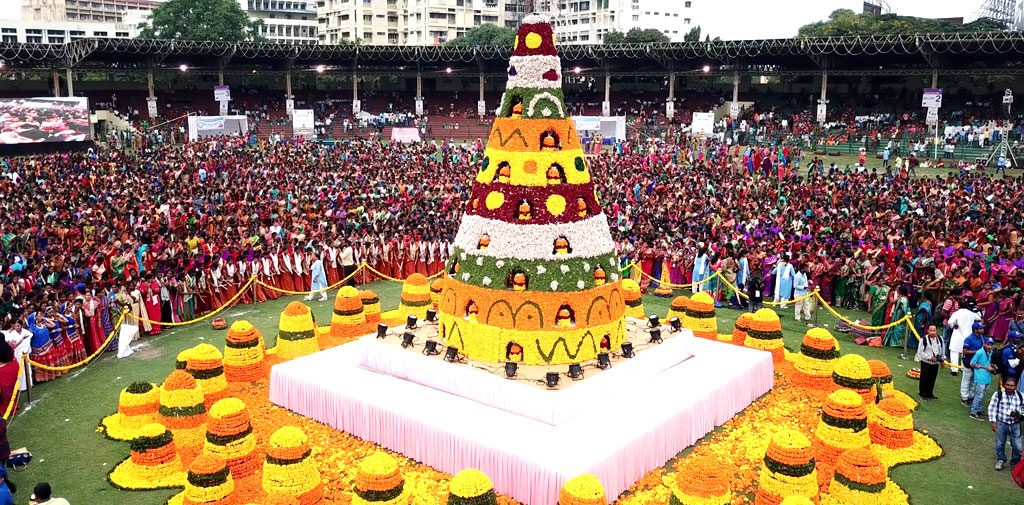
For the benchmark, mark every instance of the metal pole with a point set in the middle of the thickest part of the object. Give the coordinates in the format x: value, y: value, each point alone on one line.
x: 355, y: 85
x: 906, y: 338
x: 288, y: 84
x: 672, y: 86
x: 71, y: 82
x: 56, y: 84
x: 220, y: 76
x: 935, y: 141
x: 419, y: 84
x: 149, y: 83
x: 482, y: 84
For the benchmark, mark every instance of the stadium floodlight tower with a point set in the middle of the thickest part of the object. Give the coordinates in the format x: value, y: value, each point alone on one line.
x: 1003, y: 152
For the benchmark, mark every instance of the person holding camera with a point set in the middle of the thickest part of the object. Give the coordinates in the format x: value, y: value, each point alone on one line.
x: 1004, y: 414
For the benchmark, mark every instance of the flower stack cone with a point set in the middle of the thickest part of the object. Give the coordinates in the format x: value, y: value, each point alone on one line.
x: 415, y: 301
x: 739, y: 330
x: 634, y: 301
x: 137, y: 406
x: 861, y: 478
x: 244, y: 353
x: 154, y: 462
x: 584, y: 489
x: 229, y: 435
x: 181, y: 362
x: 379, y: 481
x: 789, y: 470
x: 883, y: 381
x: 854, y: 373
x: 843, y: 426
x: 818, y: 353
x: 296, y: 334
x: 471, y: 487
x: 209, y: 483
x: 183, y: 411
x: 664, y: 289
x: 699, y: 481
x: 348, y: 319
x: 700, y: 316
x: 680, y: 308
x: 206, y: 365
x: 436, y: 287
x: 371, y: 308
x: 893, y: 437
x: 289, y: 469
x: 765, y: 333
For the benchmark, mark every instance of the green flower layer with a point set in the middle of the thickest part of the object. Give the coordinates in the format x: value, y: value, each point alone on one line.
x: 540, y: 273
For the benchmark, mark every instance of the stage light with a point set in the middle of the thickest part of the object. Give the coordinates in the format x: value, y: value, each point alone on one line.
x: 653, y: 321
x: 627, y: 350
x: 510, y: 369
x: 676, y: 325
x: 576, y: 70
x: 410, y: 322
x: 320, y: 68
x: 254, y: 70
x: 183, y: 67
x: 431, y: 315
x: 604, y: 361
x: 575, y: 371
x: 430, y: 348
x: 551, y: 379
x: 656, y: 336
x: 407, y: 339
x: 382, y: 330
x: 706, y: 68
x: 448, y: 70
x: 451, y: 355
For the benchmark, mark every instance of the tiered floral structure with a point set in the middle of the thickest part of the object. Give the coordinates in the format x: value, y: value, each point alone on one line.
x: 789, y: 470
x: 181, y: 362
x: 843, y: 426
x: 883, y: 381
x: 765, y: 333
x: 379, y: 481
x: 852, y: 372
x: 739, y: 330
x: 137, y: 406
x: 229, y: 435
x: 296, y: 334
x: 348, y: 319
x: 633, y: 299
x: 861, y: 478
x: 584, y: 489
x: 533, y: 258
x: 153, y: 463
x: 436, y: 287
x: 209, y: 483
x: 244, y: 353
x: 818, y: 354
x: 289, y: 469
x: 471, y: 487
x: 680, y: 308
x: 206, y: 365
x: 700, y: 316
x: 699, y: 481
x: 371, y: 308
x: 893, y: 438
x: 415, y: 301
x: 183, y: 411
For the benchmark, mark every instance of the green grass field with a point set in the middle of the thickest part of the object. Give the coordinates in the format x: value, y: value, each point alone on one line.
x: 58, y: 424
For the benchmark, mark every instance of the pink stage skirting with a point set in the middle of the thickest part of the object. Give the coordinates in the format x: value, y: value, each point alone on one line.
x: 637, y: 426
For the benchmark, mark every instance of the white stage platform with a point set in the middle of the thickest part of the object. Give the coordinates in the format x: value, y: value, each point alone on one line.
x: 619, y: 424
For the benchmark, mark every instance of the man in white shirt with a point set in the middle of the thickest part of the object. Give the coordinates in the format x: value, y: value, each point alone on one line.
x: 961, y: 322
x: 347, y: 258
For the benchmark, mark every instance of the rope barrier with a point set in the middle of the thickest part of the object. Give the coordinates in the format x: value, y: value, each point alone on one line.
x: 9, y: 411
x: 99, y: 350
x: 216, y: 311
x: 381, y: 274
x: 328, y: 288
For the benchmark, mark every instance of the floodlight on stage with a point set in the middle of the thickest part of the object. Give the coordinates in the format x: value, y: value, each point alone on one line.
x: 627, y: 350
x: 430, y: 348
x: 676, y: 324
x: 431, y: 315
x: 451, y: 355
x: 183, y: 67
x: 653, y: 321
x: 448, y: 70
x: 410, y: 322
x: 575, y: 371
x: 656, y: 336
x: 510, y: 369
x: 706, y: 68
x: 551, y: 379
x: 382, y: 330
x: 320, y: 68
x: 407, y: 339
x: 604, y: 361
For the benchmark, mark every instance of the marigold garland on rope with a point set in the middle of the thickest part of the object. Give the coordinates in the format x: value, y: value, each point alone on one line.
x: 244, y: 353
x: 206, y: 364
x: 789, y: 469
x: 137, y: 406
x: 583, y: 489
x: 843, y: 426
x: 153, y: 463
x: 296, y: 335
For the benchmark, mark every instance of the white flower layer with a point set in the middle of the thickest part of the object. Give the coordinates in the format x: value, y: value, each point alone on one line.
x: 588, y: 238
x: 535, y: 18
x: 530, y: 72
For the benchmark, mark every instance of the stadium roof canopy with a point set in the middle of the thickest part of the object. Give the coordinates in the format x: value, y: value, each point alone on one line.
x: 953, y: 53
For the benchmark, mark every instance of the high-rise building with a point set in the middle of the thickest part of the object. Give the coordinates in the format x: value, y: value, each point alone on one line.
x: 284, y: 21
x: 410, y: 22
x: 588, y: 21
x: 104, y: 11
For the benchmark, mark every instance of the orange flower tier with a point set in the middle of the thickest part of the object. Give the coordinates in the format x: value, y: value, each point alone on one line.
x: 765, y: 333
x: 700, y: 316
x: 289, y: 469
x: 739, y: 330
x: 183, y: 411
x: 209, y: 483
x: 860, y: 478
x: 634, y: 301
x: 584, y: 489
x: 296, y: 335
x: 679, y: 308
x: 244, y: 353
x: 415, y: 301
x: 379, y: 481
x: 699, y: 480
x: 788, y: 469
x: 883, y: 381
x: 853, y: 372
x: 371, y: 308
x: 229, y: 435
x: 843, y: 426
x: 348, y: 319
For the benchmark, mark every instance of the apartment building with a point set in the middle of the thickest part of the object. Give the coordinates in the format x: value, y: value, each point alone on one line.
x: 101, y: 11
x: 587, y: 21
x: 285, y: 21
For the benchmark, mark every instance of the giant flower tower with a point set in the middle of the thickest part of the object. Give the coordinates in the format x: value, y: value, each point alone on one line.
x: 533, y: 278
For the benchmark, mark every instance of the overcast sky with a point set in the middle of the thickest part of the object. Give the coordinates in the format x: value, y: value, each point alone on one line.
x: 755, y: 19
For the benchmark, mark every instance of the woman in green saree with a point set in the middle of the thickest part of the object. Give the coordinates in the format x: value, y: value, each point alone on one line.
x: 894, y: 336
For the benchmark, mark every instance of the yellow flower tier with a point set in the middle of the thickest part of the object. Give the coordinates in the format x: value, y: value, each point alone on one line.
x: 765, y: 333
x: 415, y: 301
x: 296, y: 335
x: 853, y: 372
x: 893, y: 438
x: 244, y: 353
x: 137, y: 406
x: 154, y: 462
x: 699, y: 481
x: 789, y: 470
x: 371, y: 308
x: 634, y: 301
x: 348, y: 318
x: 814, y: 363
x: 843, y: 426
x: 289, y: 469
x: 883, y: 381
x: 471, y: 487
x: 209, y: 483
x: 206, y: 365
x: 679, y: 308
x: 379, y: 481
x: 584, y: 489
x: 229, y: 435
x: 700, y: 316
x: 183, y: 411
x: 862, y: 478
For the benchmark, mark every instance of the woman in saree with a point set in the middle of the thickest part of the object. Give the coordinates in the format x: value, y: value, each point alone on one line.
x: 878, y: 303
x: 894, y: 336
